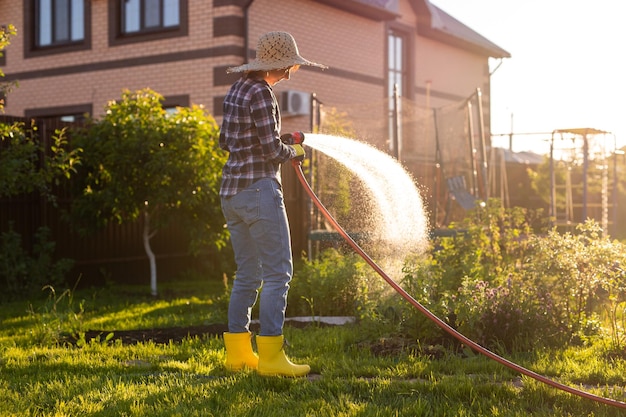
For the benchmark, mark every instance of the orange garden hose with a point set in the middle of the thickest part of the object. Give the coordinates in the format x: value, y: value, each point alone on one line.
x: 463, y: 339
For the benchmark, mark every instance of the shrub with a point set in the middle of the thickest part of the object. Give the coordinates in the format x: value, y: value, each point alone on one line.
x: 585, y: 274
x: 335, y: 284
x: 512, y: 315
x: 25, y: 275
x: 504, y: 285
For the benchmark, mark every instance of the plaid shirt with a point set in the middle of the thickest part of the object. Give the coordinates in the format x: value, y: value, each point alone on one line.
x: 251, y: 134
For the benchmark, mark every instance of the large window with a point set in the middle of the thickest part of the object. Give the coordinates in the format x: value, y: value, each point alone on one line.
x: 397, y: 68
x: 59, y: 22
x: 145, y: 20
x: 397, y: 72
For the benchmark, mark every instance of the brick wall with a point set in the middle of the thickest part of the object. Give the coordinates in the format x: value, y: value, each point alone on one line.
x: 353, y: 46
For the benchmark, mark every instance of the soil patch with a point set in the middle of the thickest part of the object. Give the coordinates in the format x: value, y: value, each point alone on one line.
x: 173, y: 334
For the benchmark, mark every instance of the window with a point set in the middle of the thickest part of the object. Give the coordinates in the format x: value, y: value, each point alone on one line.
x: 148, y: 15
x: 72, y: 114
x: 59, y: 22
x: 56, y: 26
x: 396, y: 62
x: 144, y: 20
x: 396, y: 76
x: 399, y: 75
x: 171, y: 103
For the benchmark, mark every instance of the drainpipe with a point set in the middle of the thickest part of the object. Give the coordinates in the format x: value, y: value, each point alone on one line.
x: 246, y: 31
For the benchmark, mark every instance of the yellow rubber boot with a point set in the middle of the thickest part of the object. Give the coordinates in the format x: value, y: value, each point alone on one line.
x: 239, y: 352
x: 272, y: 358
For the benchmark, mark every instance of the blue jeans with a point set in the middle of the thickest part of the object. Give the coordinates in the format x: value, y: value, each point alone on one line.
x: 259, y: 232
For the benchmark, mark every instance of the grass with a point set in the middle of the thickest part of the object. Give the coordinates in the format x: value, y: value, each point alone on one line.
x: 41, y: 375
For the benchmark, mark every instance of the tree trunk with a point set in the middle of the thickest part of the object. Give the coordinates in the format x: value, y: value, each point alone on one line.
x: 146, y: 245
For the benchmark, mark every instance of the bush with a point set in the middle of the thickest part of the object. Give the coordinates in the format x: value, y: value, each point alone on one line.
x: 332, y: 285
x: 512, y: 316
x: 25, y: 275
x: 510, y: 283
x: 586, y: 275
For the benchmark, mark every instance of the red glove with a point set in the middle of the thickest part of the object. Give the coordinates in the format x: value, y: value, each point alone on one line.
x: 295, y: 138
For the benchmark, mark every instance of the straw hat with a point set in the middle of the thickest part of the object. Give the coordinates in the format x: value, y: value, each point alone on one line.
x: 275, y: 50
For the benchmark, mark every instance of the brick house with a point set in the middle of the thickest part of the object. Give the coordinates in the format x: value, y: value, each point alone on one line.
x: 72, y: 56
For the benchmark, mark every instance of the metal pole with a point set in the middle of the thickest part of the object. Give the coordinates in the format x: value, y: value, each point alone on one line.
x: 511, y: 135
x: 605, y: 189
x: 585, y: 174
x: 396, y: 123
x: 616, y: 152
x: 483, y: 150
x: 474, y: 176
x: 312, y: 180
x: 438, y: 166
x: 552, y: 183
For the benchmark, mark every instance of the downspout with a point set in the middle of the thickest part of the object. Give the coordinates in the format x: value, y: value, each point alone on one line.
x: 246, y: 29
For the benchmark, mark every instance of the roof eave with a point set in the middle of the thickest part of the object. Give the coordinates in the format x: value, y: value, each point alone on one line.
x: 363, y: 9
x: 430, y: 24
x: 452, y: 40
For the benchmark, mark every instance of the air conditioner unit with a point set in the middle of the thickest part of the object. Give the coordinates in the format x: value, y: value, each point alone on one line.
x: 296, y: 103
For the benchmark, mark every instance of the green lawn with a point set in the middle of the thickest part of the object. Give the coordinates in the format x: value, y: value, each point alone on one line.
x: 43, y: 375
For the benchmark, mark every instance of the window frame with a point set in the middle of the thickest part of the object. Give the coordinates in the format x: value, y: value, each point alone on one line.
x: 118, y: 37
x: 407, y: 75
x: 407, y: 34
x: 171, y: 102
x: 32, y: 49
x: 57, y: 113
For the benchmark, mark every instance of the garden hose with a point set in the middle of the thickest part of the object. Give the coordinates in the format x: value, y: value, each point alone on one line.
x: 463, y: 339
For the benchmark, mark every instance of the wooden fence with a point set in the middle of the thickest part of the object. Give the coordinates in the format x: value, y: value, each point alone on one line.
x: 114, y: 253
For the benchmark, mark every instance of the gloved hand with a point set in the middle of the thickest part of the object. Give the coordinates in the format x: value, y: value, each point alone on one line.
x: 300, y: 154
x: 295, y: 138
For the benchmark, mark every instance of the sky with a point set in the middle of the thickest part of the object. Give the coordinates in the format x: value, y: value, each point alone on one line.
x: 567, y: 67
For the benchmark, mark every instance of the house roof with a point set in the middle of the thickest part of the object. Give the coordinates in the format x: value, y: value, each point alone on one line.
x: 432, y: 22
x: 436, y: 24
x: 524, y: 157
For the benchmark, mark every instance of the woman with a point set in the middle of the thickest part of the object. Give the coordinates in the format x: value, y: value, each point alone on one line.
x: 253, y: 205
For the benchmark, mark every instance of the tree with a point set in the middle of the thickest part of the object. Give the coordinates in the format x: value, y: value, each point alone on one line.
x: 26, y: 166
x: 142, y: 162
x: 5, y: 39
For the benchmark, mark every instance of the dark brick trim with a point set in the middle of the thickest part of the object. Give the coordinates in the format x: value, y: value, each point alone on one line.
x: 225, y: 50
x: 181, y: 100
x: 229, y: 25
x: 220, y: 77
x: 240, y: 3
x: 59, y: 110
x: 218, y: 109
x: 348, y: 75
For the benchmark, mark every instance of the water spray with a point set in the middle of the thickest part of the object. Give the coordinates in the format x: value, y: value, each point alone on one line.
x: 440, y: 323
